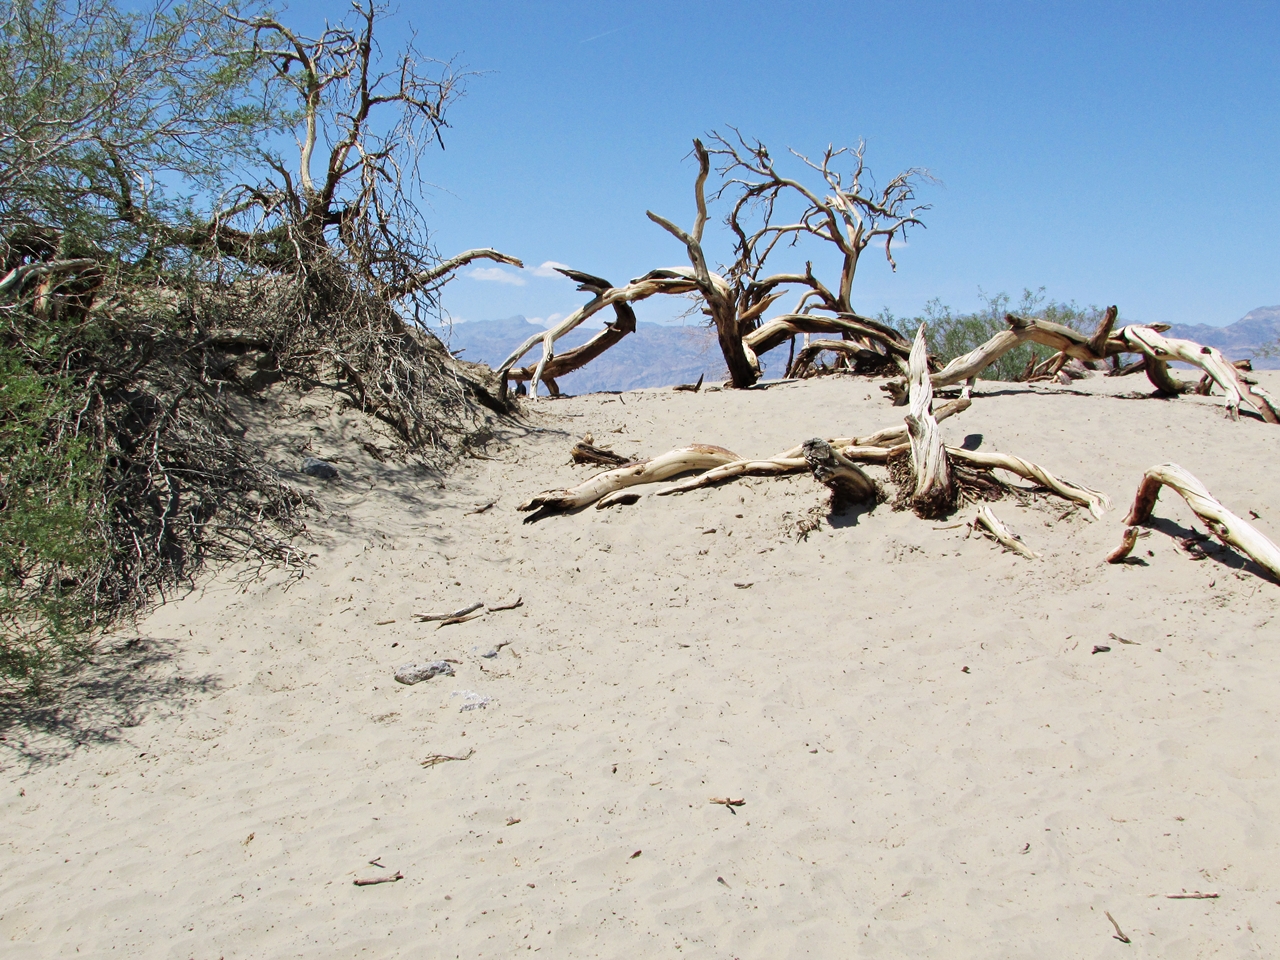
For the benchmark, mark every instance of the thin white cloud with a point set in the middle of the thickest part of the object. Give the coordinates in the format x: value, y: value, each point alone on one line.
x: 605, y: 34
x: 548, y: 269
x: 496, y: 275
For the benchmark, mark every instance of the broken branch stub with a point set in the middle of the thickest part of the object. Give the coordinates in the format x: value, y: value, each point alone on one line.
x: 843, y: 477
x: 1128, y: 540
x: 1222, y: 523
x: 992, y: 524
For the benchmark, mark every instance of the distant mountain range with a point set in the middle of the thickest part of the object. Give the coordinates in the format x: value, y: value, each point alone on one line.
x: 1238, y: 341
x: 658, y: 355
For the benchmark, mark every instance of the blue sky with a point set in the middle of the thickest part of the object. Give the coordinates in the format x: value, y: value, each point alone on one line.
x: 1113, y: 153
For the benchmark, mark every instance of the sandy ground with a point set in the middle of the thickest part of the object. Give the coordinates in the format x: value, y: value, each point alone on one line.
x: 213, y: 788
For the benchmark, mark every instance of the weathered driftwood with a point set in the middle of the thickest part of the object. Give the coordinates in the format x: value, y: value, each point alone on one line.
x: 385, y: 878
x: 992, y: 524
x: 738, y: 468
x: 1222, y: 523
x: 1060, y: 338
x: 430, y: 617
x: 841, y: 476
x: 585, y: 451
x: 934, y: 492
x: 696, y: 456
x: 1160, y: 350
x: 1097, y: 502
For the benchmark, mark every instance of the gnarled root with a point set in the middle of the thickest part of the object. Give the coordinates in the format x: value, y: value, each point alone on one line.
x: 1222, y: 523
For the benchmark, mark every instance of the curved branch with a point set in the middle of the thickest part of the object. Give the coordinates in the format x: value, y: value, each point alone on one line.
x: 430, y: 277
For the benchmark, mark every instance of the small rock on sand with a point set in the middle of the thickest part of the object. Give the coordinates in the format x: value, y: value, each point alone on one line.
x: 417, y: 672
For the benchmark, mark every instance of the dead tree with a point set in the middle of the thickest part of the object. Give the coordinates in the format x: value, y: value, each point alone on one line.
x: 843, y: 211
x: 716, y: 292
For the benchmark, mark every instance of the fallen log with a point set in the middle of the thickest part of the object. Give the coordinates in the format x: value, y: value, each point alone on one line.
x: 1222, y: 523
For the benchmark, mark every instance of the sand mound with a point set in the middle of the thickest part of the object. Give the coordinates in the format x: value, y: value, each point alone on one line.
x: 933, y: 760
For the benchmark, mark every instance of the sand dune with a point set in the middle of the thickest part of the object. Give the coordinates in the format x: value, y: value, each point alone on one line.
x: 240, y: 759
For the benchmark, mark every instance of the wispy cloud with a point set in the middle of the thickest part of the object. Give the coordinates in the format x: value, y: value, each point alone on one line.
x: 496, y: 275
x: 548, y: 269
x: 605, y: 34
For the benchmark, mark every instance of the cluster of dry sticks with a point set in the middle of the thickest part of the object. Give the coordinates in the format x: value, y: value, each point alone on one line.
x: 932, y: 478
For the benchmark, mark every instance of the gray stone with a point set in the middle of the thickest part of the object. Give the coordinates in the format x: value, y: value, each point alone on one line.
x: 321, y: 469
x: 417, y: 672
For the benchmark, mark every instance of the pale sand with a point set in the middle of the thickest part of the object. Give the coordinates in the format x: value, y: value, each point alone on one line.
x: 895, y: 805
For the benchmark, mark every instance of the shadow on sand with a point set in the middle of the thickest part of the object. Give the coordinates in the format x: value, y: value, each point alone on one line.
x: 98, y: 704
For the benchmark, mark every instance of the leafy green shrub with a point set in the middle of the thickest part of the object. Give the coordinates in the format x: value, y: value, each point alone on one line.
x: 951, y: 334
x: 50, y: 514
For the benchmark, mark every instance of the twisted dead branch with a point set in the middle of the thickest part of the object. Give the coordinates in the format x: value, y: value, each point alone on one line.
x: 934, y: 492
x: 1222, y: 523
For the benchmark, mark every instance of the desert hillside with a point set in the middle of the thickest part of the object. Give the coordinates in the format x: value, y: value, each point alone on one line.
x: 941, y: 749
